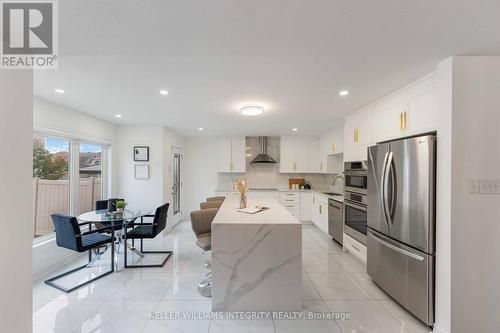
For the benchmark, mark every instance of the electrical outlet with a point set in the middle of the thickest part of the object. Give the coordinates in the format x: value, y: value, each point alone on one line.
x: 474, y: 186
x: 489, y: 186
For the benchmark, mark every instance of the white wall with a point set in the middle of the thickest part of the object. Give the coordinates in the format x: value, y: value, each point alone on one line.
x: 140, y: 193
x: 57, y: 120
x: 200, y: 168
x: 475, y: 227
x: 49, y: 117
x: 443, y: 195
x: 16, y: 111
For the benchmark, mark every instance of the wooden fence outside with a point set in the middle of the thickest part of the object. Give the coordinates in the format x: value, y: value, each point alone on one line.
x: 52, y: 196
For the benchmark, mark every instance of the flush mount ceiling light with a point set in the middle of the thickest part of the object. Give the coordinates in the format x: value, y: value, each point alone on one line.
x: 343, y: 93
x: 295, y: 129
x: 59, y: 91
x: 163, y: 92
x: 200, y: 128
x: 251, y: 110
x: 118, y: 116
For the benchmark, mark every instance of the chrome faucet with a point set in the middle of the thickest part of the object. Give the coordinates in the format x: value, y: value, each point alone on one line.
x: 335, y: 179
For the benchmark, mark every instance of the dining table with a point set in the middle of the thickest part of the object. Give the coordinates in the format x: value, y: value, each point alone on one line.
x: 121, y: 220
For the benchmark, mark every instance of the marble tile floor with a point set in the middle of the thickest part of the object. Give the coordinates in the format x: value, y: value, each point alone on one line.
x: 157, y: 299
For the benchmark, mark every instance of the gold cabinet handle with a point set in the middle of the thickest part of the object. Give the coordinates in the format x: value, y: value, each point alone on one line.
x: 401, y: 121
x: 355, y: 247
x: 321, y: 166
x: 404, y: 121
x: 289, y: 200
x: 231, y: 165
x: 333, y: 147
x: 320, y: 209
x: 294, y: 165
x: 290, y: 206
x: 354, y: 135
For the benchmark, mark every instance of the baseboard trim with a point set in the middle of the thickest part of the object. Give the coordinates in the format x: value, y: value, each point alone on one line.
x: 55, y: 266
x: 438, y: 329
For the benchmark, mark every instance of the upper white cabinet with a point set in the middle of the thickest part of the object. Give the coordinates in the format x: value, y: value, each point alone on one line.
x: 409, y: 111
x: 358, y: 136
x: 299, y: 155
x: 231, y: 155
x: 331, y: 148
x: 313, y: 151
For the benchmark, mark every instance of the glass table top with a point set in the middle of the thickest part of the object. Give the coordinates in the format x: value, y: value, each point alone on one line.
x: 105, y: 216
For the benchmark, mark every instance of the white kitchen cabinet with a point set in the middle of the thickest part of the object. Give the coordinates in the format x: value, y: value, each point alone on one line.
x: 299, y: 155
x: 409, y: 111
x: 358, y: 134
x: 354, y: 247
x: 320, y: 211
x: 231, y: 155
x: 313, y: 159
x: 306, y: 206
x: 331, y: 149
x: 421, y: 108
x: 292, y: 202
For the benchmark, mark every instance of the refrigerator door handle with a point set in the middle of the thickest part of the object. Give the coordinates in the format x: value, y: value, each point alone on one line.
x: 397, y: 249
x: 385, y: 185
x: 392, y: 174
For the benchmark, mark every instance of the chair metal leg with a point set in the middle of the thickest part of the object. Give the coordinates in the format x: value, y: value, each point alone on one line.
x: 51, y: 282
x: 126, y: 265
x: 205, y: 288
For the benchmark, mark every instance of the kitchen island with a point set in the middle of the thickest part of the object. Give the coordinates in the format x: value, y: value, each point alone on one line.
x: 256, y: 258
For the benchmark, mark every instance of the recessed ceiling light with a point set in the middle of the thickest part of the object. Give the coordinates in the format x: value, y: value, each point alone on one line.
x: 163, y: 92
x: 295, y: 129
x: 344, y: 93
x: 200, y: 128
x: 251, y: 110
x: 59, y: 91
x: 118, y: 116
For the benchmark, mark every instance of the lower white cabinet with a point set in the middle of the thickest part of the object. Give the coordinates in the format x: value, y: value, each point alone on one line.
x: 354, y: 247
x: 320, y: 211
x: 306, y: 203
x: 292, y: 202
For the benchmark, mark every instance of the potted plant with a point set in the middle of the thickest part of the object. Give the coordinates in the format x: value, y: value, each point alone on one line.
x: 120, y: 206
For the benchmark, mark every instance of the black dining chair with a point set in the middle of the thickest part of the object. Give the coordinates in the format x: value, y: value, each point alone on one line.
x: 69, y: 236
x: 143, y: 231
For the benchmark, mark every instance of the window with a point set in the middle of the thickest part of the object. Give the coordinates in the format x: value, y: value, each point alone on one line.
x: 51, y: 178
x: 90, y: 171
x: 69, y: 176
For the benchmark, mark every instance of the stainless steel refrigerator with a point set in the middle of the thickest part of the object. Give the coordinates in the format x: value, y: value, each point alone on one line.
x: 401, y: 222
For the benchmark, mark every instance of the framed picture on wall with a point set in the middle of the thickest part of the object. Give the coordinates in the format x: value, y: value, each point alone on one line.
x: 141, y: 171
x: 141, y: 153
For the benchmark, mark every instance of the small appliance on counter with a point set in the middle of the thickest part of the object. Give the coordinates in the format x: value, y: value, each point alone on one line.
x: 307, y: 186
x: 295, y: 183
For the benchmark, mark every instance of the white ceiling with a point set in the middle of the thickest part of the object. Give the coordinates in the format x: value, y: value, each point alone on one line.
x: 292, y: 57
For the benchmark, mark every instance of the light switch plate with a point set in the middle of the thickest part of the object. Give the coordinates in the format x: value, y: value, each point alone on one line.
x: 474, y: 186
x: 489, y: 186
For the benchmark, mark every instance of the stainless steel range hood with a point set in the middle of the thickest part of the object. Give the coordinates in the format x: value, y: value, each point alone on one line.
x: 263, y: 157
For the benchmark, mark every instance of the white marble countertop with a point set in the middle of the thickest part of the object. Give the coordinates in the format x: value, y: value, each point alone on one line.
x: 276, y: 214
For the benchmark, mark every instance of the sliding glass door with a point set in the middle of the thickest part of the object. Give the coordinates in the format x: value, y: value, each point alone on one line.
x: 51, y: 181
x: 69, y: 176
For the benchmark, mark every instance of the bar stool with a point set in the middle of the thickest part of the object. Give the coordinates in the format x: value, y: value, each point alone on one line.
x: 216, y: 198
x: 201, y: 223
x: 210, y: 204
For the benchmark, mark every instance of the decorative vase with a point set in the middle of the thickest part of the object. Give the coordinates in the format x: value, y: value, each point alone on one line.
x: 243, y: 201
x: 119, y: 211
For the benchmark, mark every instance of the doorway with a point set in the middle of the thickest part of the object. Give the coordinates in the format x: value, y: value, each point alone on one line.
x: 176, y: 185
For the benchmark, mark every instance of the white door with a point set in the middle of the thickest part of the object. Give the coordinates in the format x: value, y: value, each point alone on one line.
x: 176, y: 181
